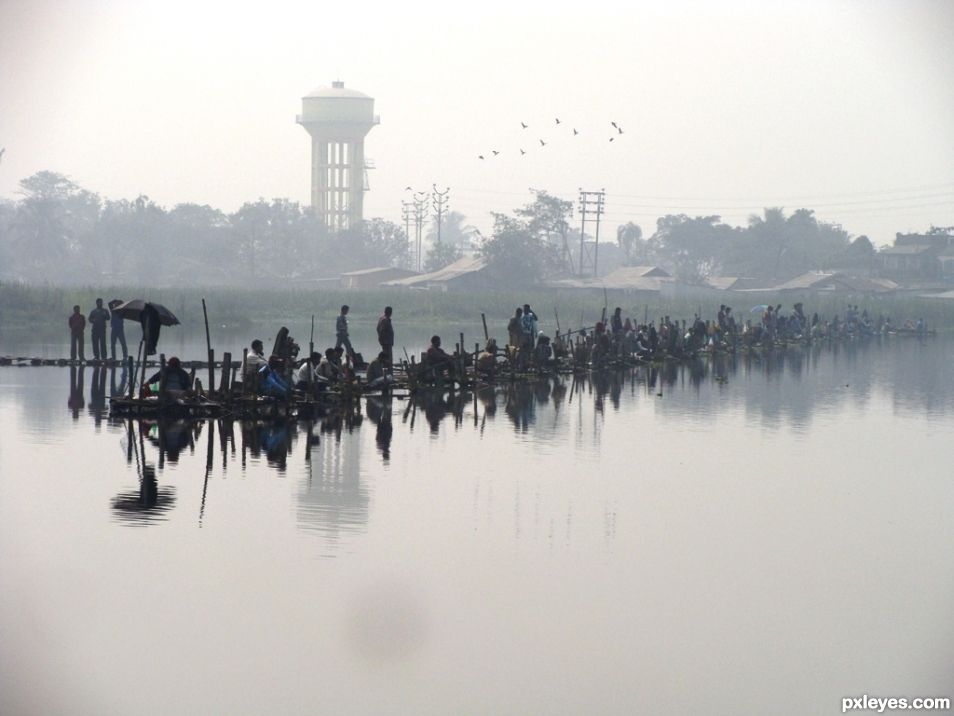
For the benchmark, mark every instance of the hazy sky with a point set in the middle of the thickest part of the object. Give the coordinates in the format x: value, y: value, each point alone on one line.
x: 843, y: 106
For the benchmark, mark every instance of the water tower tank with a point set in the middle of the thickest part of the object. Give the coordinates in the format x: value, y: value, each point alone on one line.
x: 338, y: 119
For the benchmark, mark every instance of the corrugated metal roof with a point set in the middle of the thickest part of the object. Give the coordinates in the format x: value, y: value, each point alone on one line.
x: 379, y: 269
x: 912, y: 249
x: 461, y: 267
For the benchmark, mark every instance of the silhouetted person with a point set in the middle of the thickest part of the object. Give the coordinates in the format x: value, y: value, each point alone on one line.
x: 341, y: 332
x: 98, y: 318
x: 436, y: 358
x: 117, y: 331
x: 386, y: 338
x: 77, y: 323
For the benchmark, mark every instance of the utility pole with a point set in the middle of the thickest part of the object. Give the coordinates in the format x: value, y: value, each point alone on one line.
x: 420, y: 211
x: 406, y: 207
x: 591, y: 202
x: 439, y: 198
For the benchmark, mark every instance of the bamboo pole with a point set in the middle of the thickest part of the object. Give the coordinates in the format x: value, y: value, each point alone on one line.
x: 208, y: 345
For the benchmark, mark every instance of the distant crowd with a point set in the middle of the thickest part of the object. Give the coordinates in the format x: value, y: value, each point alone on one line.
x: 620, y: 338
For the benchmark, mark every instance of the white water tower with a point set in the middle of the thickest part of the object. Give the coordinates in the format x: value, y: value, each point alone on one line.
x: 338, y: 119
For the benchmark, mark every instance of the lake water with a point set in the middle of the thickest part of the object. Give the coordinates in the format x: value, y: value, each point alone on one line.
x: 734, y: 536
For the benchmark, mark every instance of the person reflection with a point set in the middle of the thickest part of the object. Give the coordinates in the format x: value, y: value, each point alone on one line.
x: 97, y: 395
x: 170, y: 436
x: 118, y: 390
x: 520, y: 405
x: 379, y: 413
x: 487, y: 395
x: 76, y: 400
x: 273, y: 437
x: 148, y: 504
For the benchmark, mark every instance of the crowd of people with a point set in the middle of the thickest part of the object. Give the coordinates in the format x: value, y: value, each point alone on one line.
x: 98, y: 319
x: 620, y: 338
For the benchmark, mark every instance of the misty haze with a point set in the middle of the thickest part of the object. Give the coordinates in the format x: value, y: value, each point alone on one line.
x: 507, y: 359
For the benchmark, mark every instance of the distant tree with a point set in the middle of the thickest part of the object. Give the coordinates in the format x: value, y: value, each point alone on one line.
x: 53, y: 225
x: 859, y: 254
x: 629, y: 237
x: 692, y: 247
x: 548, y: 217
x: 376, y: 242
x: 454, y: 230
x: 776, y: 247
x: 515, y: 255
x: 441, y: 255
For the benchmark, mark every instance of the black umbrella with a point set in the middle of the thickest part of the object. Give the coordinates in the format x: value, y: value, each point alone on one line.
x: 134, y: 310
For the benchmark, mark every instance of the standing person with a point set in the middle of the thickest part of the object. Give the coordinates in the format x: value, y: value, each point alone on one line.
x: 77, y: 323
x: 529, y: 321
x: 98, y: 318
x: 341, y: 332
x: 616, y: 323
x: 386, y: 338
x: 515, y: 329
x: 116, y: 331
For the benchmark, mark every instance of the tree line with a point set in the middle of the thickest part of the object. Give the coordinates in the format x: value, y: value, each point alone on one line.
x: 57, y: 232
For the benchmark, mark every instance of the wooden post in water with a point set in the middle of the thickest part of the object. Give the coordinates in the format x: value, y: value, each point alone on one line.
x: 483, y: 318
x: 142, y: 368
x: 208, y: 345
x: 226, y: 371
x: 162, y: 377
x: 311, y: 340
x: 244, y: 366
x: 132, y: 380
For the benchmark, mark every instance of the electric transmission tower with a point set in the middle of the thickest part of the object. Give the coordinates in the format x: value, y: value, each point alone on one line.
x: 407, y: 208
x: 420, y: 213
x: 440, y: 201
x: 591, y: 209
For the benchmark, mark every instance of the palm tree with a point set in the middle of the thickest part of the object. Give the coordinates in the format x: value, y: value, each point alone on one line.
x: 628, y: 236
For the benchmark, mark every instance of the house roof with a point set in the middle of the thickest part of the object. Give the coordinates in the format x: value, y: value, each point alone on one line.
x: 814, y: 279
x: 909, y: 249
x: 627, y: 272
x: 635, y: 283
x: 461, y: 267
x: 378, y: 269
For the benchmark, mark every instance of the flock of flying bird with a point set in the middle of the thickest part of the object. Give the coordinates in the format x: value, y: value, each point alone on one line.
x: 557, y: 122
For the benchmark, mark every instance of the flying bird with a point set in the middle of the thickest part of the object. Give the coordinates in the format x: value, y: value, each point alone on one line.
x: 524, y: 125
x: 612, y: 139
x: 619, y: 129
x: 575, y: 132
x: 407, y: 188
x: 480, y: 156
x: 522, y: 152
x: 615, y: 125
x: 557, y: 120
x: 495, y: 152
x: 1, y: 153
x: 542, y: 143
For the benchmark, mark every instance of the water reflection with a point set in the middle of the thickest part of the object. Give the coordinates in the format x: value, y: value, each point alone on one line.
x: 333, y: 499
x: 150, y: 503
x: 782, y: 390
x: 76, y: 400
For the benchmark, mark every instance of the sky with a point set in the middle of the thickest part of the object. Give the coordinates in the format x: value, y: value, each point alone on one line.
x: 844, y: 106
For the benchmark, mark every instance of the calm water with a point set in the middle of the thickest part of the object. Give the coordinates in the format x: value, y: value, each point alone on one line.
x: 729, y: 537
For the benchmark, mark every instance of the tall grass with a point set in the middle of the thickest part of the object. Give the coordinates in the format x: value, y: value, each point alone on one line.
x: 44, y: 309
